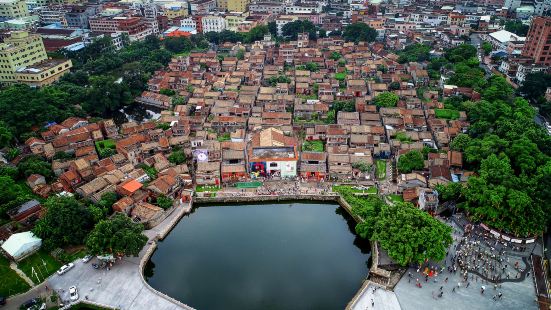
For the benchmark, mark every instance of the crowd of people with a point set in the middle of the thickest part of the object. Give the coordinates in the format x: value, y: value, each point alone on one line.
x: 286, y: 188
x: 476, y: 258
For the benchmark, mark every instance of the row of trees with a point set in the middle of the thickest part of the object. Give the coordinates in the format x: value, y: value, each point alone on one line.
x: 510, y: 153
x: 68, y: 221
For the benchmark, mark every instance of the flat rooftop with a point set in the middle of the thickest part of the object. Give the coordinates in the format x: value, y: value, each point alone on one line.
x: 41, y: 66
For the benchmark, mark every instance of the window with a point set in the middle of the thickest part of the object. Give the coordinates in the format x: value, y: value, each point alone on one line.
x: 273, y: 165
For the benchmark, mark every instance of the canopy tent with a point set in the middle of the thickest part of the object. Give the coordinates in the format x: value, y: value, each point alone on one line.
x: 21, y: 245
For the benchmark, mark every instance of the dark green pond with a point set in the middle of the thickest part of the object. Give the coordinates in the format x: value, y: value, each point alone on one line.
x: 266, y: 256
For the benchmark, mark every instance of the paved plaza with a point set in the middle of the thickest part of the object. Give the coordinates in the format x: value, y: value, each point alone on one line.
x: 374, y: 297
x: 460, y: 292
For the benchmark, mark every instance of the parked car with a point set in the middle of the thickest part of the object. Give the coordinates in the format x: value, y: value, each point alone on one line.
x: 73, y: 293
x: 30, y: 303
x: 2, y: 300
x: 86, y: 258
x: 65, y: 268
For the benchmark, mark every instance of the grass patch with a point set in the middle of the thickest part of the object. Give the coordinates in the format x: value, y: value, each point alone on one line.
x: 446, y: 113
x: 340, y: 76
x: 395, y: 198
x: 307, y: 97
x: 78, y: 254
x: 105, y: 144
x: 106, y: 148
x: 312, y: 146
x: 380, y: 169
x: 403, y: 137
x: 354, y: 189
x: 11, y: 283
x: 224, y: 137
x: 84, y: 306
x: 44, y: 265
x: 207, y: 188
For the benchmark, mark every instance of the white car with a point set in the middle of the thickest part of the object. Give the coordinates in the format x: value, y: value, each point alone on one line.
x: 73, y: 293
x: 86, y: 258
x: 65, y: 268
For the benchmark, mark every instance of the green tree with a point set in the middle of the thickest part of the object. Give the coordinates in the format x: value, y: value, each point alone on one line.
x: 460, y: 142
x: 11, y: 194
x: 359, y: 32
x: 35, y: 165
x: 461, y: 53
x: 106, y: 94
x: 272, y: 27
x: 256, y: 33
x: 386, y: 99
x: 535, y: 85
x: 487, y: 48
x: 118, y: 236
x: 240, y: 54
x: 164, y: 202
x: 412, y: 160
x: 498, y: 89
x: 335, y: 56
x: 177, y: 44
x: 415, y: 52
x: 167, y: 92
x: 312, y: 67
x: 467, y: 76
x: 292, y: 29
x: 452, y: 191
x: 66, y: 222
x: 362, y: 166
x: 394, y: 86
x: 177, y: 157
x: 517, y: 27
x: 410, y: 235
x: 6, y: 135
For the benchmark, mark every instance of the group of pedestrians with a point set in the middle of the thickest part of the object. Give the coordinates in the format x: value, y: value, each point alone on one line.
x: 477, y: 260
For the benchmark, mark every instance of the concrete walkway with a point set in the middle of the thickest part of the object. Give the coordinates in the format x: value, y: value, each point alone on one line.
x: 23, y: 276
x: 122, y: 287
x: 375, y: 297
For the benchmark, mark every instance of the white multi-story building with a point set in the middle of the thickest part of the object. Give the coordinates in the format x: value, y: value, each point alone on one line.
x: 213, y: 23
x: 303, y: 9
x: 189, y: 23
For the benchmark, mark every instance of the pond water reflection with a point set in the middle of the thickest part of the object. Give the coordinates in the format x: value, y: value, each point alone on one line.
x: 262, y: 256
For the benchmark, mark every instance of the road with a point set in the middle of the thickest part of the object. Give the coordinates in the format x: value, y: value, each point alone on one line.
x: 121, y: 287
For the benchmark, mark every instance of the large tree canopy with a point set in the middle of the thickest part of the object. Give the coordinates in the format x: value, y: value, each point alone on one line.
x: 386, y: 99
x: 414, y: 52
x: 359, y: 32
x: 66, y: 222
x: 292, y: 29
x: 412, y: 160
x: 410, y: 235
x: 117, y: 236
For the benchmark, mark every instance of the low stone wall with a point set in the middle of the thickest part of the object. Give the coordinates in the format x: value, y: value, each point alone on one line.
x: 257, y: 198
x: 182, y: 211
x: 356, y: 297
x: 161, y: 235
x: 143, y: 261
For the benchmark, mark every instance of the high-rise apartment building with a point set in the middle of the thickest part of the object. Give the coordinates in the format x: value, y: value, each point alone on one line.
x: 538, y: 41
x: 10, y: 9
x: 19, y: 50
